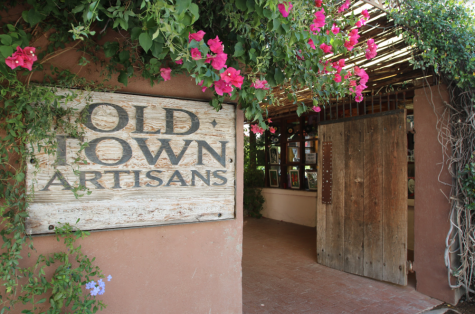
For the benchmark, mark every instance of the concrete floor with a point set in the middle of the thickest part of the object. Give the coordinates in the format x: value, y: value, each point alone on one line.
x: 280, y: 275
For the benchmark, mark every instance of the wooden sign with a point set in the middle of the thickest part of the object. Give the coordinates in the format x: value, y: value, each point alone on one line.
x: 150, y: 161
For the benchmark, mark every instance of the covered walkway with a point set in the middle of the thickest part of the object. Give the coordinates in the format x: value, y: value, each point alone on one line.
x: 280, y: 275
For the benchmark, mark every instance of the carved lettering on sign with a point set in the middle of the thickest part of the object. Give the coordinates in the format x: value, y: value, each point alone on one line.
x: 149, y: 161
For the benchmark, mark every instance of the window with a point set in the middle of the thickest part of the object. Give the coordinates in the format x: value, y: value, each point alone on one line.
x: 291, y: 153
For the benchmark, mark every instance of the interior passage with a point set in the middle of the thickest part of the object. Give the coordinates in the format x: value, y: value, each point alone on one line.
x: 280, y: 275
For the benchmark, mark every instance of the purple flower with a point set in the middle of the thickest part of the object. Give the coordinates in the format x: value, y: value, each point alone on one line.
x: 102, y: 291
x: 109, y: 278
x: 90, y: 285
x: 95, y: 291
x: 101, y: 283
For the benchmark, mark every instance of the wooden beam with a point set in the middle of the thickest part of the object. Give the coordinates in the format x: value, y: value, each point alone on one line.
x: 376, y: 3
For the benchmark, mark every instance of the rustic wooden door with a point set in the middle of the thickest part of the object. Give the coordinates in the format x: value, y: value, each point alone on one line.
x: 362, y: 196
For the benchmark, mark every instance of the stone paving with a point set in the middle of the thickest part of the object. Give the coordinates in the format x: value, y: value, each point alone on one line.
x: 280, y: 275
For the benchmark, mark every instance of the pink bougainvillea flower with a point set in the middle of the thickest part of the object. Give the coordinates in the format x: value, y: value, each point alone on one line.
x: 341, y: 63
x: 310, y: 42
x: 29, y: 52
x: 22, y: 57
x: 316, y: 108
x: 319, y: 18
x: 285, y: 8
x: 318, y: 3
x: 14, y: 61
x: 256, y: 129
x: 231, y: 76
x: 209, y: 58
x: 319, y: 21
x: 349, y: 44
x: 326, y: 48
x: 360, y: 88
x: 365, y: 14
x: 352, y: 83
x: 362, y: 74
x: 198, y: 36
x: 272, y: 130
x: 221, y: 87
x: 201, y: 83
x: 258, y: 84
x: 215, y: 45
x: 359, y: 98
x: 335, y: 30
x: 165, y: 73
x: 195, y: 54
x: 360, y: 23
x: 344, y: 6
x: 179, y: 61
x: 371, y: 52
x: 219, y: 61
x: 337, y: 78
x: 269, y: 120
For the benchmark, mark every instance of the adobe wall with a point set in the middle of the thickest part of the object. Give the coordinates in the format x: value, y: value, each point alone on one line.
x: 431, y: 210
x: 297, y: 207
x: 189, y: 268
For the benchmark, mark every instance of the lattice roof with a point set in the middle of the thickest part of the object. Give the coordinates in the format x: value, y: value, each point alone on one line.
x: 390, y: 70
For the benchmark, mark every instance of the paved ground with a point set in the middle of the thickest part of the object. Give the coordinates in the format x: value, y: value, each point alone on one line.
x: 280, y: 275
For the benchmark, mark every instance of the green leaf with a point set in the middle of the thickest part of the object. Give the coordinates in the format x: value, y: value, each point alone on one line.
x: 20, y: 176
x: 157, y: 49
x: 34, y: 17
x: 78, y: 8
x: 135, y: 33
x: 195, y: 11
x: 182, y: 5
x: 123, y: 78
x: 276, y: 23
x: 260, y: 94
x: 110, y: 49
x: 145, y: 41
x: 124, y: 55
x: 241, y: 5
x: 279, y: 76
x: 6, y: 40
x: 267, y: 13
x: 286, y: 27
x: 239, y: 50
x: 6, y: 51
x: 250, y: 5
x: 259, y: 10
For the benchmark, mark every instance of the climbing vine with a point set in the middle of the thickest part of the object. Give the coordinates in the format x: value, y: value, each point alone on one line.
x: 240, y: 49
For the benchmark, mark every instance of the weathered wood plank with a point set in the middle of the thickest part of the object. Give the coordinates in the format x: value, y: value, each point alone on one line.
x: 193, y: 178
x: 373, y: 202
x: 354, y: 196
x: 335, y: 213
x: 321, y: 208
x: 394, y: 199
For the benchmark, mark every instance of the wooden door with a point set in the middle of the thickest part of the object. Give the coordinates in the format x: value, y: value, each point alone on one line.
x: 362, y: 205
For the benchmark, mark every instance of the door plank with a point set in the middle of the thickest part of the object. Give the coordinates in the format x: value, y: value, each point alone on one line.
x: 354, y: 196
x: 335, y: 212
x: 373, y: 203
x: 394, y: 198
x: 321, y: 208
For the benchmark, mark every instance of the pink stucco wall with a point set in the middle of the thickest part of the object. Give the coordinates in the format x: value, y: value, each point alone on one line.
x: 431, y: 210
